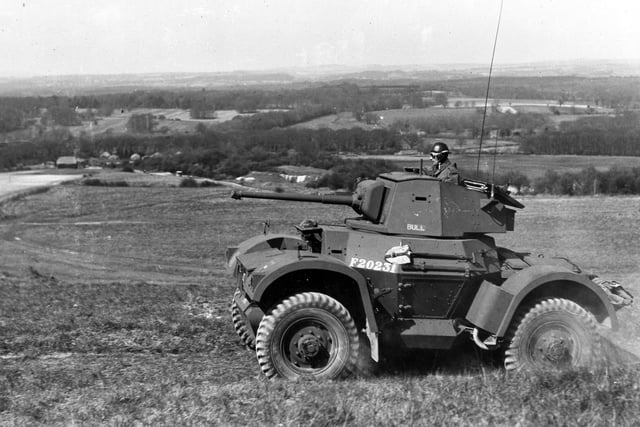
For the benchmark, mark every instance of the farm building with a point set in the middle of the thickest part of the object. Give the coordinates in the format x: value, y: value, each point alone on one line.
x: 298, y: 179
x: 67, y: 162
x: 113, y: 161
x: 506, y: 109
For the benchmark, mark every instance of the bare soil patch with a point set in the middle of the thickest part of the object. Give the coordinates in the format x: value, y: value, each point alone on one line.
x: 16, y: 182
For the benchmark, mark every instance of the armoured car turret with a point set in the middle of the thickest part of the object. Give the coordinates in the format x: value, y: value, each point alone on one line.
x: 418, y: 205
x: 417, y: 269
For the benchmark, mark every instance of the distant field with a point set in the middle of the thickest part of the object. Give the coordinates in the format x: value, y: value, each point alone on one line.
x: 470, y: 107
x: 174, y: 120
x: 388, y: 117
x: 391, y: 116
x: 530, y: 105
x: 343, y: 120
x: 167, y: 120
x: 178, y: 121
x: 113, y: 310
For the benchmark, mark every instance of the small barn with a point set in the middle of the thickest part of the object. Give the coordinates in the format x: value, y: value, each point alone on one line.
x: 113, y: 161
x: 67, y: 162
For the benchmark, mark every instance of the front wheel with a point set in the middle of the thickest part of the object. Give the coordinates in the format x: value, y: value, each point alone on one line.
x: 309, y: 335
x: 555, y: 334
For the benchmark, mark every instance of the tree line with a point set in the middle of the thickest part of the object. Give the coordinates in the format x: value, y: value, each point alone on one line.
x: 589, y: 181
x: 611, y: 135
x: 212, y: 153
x: 226, y: 155
x: 318, y: 99
x: 470, y: 121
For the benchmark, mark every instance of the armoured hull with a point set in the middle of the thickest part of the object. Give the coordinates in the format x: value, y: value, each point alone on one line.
x: 419, y: 270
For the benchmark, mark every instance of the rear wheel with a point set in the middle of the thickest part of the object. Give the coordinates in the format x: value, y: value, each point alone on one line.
x: 241, y: 327
x: 309, y: 335
x: 555, y: 334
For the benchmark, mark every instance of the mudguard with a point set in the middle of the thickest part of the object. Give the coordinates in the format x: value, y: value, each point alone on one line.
x: 267, y: 268
x: 261, y: 242
x: 290, y: 261
x: 494, y: 306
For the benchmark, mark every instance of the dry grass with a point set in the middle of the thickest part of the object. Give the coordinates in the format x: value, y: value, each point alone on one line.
x: 160, y: 358
x: 113, y: 310
x: 123, y: 354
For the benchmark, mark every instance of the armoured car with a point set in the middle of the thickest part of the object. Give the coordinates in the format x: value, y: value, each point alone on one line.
x: 416, y: 269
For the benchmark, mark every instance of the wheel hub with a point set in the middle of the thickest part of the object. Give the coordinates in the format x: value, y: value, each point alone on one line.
x: 309, y: 346
x: 555, y: 348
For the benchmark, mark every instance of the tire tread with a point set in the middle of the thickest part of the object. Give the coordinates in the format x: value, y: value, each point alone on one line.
x: 525, y: 315
x: 241, y: 327
x: 304, y: 300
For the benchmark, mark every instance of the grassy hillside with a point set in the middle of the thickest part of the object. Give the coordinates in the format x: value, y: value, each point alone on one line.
x: 114, y: 310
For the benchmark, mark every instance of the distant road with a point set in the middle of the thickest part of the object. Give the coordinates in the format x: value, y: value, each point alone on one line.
x: 15, y: 182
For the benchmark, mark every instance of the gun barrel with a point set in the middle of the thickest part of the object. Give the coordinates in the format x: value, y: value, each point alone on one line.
x: 330, y: 199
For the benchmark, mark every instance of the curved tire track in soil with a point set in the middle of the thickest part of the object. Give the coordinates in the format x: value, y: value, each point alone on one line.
x: 19, y: 252
x: 91, y: 266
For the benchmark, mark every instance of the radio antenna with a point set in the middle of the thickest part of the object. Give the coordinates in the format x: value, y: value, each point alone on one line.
x: 486, y: 98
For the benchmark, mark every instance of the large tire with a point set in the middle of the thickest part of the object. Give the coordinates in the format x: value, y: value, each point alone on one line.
x: 555, y: 334
x: 241, y: 327
x: 308, y: 335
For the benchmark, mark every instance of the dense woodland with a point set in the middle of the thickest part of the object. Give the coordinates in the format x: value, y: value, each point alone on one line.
x: 264, y: 140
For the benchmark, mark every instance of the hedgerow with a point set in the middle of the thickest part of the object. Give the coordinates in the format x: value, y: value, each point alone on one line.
x: 589, y: 181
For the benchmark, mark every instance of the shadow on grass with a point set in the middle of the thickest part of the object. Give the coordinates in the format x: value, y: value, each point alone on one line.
x: 466, y: 358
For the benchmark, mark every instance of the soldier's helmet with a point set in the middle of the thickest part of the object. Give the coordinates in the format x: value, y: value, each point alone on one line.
x: 440, y: 151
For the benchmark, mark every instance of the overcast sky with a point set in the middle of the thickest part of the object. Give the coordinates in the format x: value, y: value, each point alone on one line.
x: 49, y: 37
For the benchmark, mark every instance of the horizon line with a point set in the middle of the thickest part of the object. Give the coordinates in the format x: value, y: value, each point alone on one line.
x: 325, y: 68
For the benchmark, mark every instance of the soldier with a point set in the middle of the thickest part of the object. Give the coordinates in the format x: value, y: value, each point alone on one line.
x: 442, y: 167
